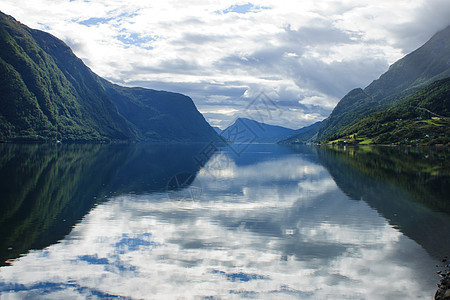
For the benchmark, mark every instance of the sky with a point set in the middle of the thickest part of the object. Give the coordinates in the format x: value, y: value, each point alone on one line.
x: 301, y: 57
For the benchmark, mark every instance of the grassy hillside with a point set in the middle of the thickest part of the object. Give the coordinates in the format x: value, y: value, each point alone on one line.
x: 355, y: 104
x: 416, y: 70
x: 47, y: 93
x: 423, y: 118
x: 405, y: 77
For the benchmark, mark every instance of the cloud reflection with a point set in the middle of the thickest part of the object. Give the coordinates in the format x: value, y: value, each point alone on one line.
x: 277, y: 228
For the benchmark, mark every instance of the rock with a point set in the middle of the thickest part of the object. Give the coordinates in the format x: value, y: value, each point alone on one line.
x: 443, y: 292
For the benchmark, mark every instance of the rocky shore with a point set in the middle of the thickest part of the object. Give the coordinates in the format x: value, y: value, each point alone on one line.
x: 443, y: 292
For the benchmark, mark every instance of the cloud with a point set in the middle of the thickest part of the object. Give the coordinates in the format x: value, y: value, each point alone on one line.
x: 294, y: 52
x: 430, y: 17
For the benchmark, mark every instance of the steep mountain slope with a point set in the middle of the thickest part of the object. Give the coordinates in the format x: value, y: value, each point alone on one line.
x: 249, y: 131
x: 354, y: 105
x: 418, y: 69
x: 423, y: 118
x: 302, y: 135
x: 160, y: 116
x: 423, y: 66
x: 47, y: 93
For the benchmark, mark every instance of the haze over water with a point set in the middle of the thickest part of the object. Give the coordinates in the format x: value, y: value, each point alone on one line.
x: 264, y: 222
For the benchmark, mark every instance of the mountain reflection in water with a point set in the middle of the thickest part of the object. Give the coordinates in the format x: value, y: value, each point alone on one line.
x: 148, y: 221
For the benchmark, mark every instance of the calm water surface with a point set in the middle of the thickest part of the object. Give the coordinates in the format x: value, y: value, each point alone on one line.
x: 193, y: 222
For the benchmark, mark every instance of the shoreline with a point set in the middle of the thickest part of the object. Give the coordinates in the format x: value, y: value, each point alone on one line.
x: 443, y: 291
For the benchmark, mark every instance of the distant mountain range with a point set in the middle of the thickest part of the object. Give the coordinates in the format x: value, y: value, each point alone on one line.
x: 409, y: 75
x: 303, y: 135
x: 47, y: 93
x: 245, y: 130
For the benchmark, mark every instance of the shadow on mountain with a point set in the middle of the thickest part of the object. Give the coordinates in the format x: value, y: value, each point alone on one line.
x: 407, y: 186
x: 47, y: 189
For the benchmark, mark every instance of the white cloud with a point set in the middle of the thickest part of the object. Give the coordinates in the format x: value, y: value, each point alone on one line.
x: 210, y: 50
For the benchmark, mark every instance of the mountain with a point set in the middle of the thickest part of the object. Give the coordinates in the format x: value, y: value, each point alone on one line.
x: 423, y: 118
x: 351, y: 108
x: 416, y: 70
x: 245, y: 130
x: 47, y: 93
x: 160, y: 116
x: 302, y: 135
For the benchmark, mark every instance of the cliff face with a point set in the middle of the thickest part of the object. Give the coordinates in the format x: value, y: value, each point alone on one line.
x: 47, y: 93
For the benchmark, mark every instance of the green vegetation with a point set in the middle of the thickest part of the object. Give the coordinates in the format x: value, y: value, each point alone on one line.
x: 355, y: 104
x: 48, y: 94
x: 410, y: 122
x: 160, y: 116
x: 404, y: 78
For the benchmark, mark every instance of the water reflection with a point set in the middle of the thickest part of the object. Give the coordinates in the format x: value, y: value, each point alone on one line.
x: 271, y: 223
x: 46, y: 189
x: 408, y: 187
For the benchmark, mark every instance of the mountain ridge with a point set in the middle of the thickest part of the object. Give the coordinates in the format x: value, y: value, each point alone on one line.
x: 411, y: 122
x: 251, y: 131
x: 47, y: 93
x: 416, y: 70
x: 302, y: 135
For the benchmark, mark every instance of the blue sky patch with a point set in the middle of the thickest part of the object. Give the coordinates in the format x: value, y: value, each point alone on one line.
x: 128, y: 243
x: 46, y: 288
x: 93, y: 259
x: 95, y: 21
x: 240, y: 276
x: 243, y: 8
x: 136, y: 39
x: 112, y: 265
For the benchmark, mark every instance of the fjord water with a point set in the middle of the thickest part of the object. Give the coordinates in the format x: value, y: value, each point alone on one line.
x: 195, y: 221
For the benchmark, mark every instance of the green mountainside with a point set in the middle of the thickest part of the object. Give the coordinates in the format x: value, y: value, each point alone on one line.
x: 416, y: 70
x: 354, y: 105
x: 413, y: 121
x: 160, y: 116
x: 47, y: 93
